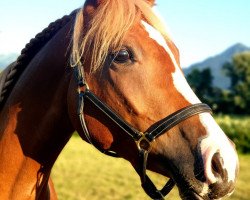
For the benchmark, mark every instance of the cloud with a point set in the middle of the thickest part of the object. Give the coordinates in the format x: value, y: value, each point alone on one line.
x: 10, y: 42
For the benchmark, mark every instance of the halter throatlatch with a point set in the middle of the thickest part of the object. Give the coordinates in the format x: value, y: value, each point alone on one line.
x: 143, y: 140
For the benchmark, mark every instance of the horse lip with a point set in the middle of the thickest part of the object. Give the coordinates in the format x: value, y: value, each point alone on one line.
x: 192, y: 195
x: 188, y: 192
x: 188, y: 187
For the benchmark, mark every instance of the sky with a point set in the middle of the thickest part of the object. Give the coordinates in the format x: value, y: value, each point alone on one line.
x: 199, y: 28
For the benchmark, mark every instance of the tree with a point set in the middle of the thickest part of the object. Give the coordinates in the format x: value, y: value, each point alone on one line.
x: 201, y: 83
x: 239, y: 73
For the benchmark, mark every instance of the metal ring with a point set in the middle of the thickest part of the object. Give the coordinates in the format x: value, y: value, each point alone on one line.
x: 82, y: 87
x: 143, y: 143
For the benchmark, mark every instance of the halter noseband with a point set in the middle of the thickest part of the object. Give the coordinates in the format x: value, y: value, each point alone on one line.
x: 143, y: 140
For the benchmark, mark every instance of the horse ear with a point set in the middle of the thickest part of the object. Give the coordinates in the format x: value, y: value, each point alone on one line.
x: 91, y: 5
x: 151, y: 2
x: 95, y: 3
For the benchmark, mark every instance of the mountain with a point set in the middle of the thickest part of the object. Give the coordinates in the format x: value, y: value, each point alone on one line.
x: 6, y: 59
x: 216, y: 62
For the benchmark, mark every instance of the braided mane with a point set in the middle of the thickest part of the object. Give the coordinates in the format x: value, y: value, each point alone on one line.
x: 11, y: 74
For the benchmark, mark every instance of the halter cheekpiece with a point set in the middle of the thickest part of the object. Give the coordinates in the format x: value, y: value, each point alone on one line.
x: 143, y: 140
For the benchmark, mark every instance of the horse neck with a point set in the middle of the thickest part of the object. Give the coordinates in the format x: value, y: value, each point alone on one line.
x: 34, y: 123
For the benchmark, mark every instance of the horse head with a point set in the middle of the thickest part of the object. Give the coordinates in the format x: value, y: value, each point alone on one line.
x: 132, y: 66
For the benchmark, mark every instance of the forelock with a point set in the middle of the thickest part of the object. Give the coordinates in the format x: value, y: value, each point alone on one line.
x: 106, y: 28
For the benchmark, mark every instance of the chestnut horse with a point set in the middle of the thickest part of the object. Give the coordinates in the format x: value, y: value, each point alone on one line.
x: 110, y: 71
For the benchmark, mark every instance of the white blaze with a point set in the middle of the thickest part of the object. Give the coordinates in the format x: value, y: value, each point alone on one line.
x: 178, y: 78
x: 215, y: 140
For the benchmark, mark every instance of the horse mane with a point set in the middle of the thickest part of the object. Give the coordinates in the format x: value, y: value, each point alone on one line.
x: 11, y: 74
x: 105, y: 32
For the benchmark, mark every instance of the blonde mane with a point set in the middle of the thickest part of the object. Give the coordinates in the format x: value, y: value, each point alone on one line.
x: 106, y: 30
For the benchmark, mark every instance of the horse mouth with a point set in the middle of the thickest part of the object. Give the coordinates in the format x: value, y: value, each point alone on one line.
x: 192, y: 190
x: 192, y: 195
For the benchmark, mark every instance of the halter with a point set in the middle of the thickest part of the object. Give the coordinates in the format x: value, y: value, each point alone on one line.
x: 143, y: 140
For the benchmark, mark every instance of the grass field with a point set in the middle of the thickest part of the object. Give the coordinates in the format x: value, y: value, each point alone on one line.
x: 237, y: 128
x: 82, y: 173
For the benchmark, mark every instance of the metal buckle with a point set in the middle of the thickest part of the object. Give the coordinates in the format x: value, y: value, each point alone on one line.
x: 143, y: 143
x: 82, y: 87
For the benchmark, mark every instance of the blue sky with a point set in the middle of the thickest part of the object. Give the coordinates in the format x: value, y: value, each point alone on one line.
x: 200, y: 28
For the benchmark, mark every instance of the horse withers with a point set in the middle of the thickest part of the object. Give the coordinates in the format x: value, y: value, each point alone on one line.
x: 110, y: 71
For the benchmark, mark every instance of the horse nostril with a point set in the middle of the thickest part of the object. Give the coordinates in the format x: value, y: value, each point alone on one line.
x: 217, y: 166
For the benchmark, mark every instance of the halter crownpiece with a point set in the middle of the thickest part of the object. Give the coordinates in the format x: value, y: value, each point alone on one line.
x: 143, y: 140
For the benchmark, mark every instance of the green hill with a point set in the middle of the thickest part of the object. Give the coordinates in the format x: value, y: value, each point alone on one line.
x: 216, y: 62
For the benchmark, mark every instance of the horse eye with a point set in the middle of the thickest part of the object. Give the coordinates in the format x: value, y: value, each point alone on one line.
x: 122, y: 56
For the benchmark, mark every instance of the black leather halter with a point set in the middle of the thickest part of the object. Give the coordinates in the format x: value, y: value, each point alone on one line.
x: 142, y: 140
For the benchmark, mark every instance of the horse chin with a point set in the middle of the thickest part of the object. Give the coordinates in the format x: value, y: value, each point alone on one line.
x: 191, y: 195
x: 192, y: 190
x: 199, y: 192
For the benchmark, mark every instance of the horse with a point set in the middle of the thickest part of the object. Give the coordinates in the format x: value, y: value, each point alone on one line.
x: 111, y: 72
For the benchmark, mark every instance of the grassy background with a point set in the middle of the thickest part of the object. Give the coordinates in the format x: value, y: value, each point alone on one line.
x: 237, y: 129
x: 82, y: 173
